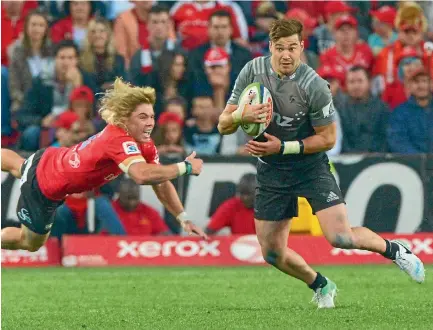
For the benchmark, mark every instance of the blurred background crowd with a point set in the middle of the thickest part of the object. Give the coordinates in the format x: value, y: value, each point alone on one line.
x: 59, y: 56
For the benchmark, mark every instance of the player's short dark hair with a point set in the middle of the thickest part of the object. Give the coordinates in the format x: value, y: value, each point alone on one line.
x: 158, y: 9
x: 356, y: 68
x: 221, y: 13
x: 65, y: 44
x: 282, y: 28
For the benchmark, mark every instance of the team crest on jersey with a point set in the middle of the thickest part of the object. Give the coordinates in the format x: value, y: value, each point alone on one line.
x: 74, y: 160
x: 130, y: 148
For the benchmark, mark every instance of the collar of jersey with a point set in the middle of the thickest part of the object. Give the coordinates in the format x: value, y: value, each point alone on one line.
x: 276, y: 75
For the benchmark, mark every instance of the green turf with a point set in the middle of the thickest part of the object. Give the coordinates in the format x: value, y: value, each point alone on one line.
x: 370, y: 297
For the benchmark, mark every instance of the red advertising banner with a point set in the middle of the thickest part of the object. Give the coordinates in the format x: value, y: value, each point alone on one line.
x: 218, y: 251
x: 47, y: 255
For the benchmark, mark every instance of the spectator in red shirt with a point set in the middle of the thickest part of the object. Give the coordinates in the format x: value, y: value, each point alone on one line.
x: 191, y: 19
x: 136, y: 217
x: 348, y: 50
x: 12, y: 25
x: 74, y: 26
x: 398, y: 92
x: 237, y: 213
x: 168, y: 135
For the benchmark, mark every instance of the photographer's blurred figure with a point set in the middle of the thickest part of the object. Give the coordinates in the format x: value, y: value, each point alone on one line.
x: 236, y: 213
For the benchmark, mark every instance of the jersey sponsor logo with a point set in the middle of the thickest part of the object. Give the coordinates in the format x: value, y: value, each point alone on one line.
x: 327, y: 110
x: 283, y: 121
x: 74, y: 160
x: 24, y: 215
x: 130, y: 148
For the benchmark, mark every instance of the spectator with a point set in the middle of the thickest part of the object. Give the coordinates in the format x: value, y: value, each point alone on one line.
x: 5, y: 104
x: 57, y: 9
x: 81, y: 130
x: 191, y: 19
x: 220, y: 32
x: 203, y: 136
x: 144, y: 63
x: 74, y: 25
x: 363, y: 117
x: 266, y: 14
x: 309, y: 55
x: 172, y: 76
x: 411, y: 25
x: 176, y: 105
x: 237, y: 213
x: 137, y: 218
x: 168, y: 135
x: 71, y: 216
x: 131, y: 30
x: 63, y: 124
x: 12, y: 25
x: 49, y: 95
x: 217, y: 68
x: 29, y: 56
x: 383, y: 24
x: 333, y: 10
x: 410, y: 128
x: 348, y: 50
x: 398, y: 92
x: 99, y: 57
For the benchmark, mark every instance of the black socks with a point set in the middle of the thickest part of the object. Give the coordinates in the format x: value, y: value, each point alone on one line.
x: 319, y: 282
x: 391, y: 250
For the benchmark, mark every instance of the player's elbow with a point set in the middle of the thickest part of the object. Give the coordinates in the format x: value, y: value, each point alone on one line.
x: 330, y: 141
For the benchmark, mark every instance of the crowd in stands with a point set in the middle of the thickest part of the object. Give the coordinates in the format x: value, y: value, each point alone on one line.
x: 59, y: 56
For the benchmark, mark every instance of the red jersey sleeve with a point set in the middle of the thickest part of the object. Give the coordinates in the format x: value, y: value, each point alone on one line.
x: 223, y: 215
x: 150, y: 153
x: 124, y: 151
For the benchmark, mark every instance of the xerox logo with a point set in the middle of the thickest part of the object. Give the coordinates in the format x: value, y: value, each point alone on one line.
x: 417, y: 246
x: 247, y: 248
x: 153, y: 249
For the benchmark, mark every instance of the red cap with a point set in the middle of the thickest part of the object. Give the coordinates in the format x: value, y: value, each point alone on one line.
x: 334, y: 7
x: 82, y: 93
x: 385, y: 14
x: 216, y: 56
x: 66, y: 119
x: 333, y: 72
x: 302, y: 16
x: 170, y: 117
x: 420, y: 71
x: 346, y: 19
x: 408, y: 51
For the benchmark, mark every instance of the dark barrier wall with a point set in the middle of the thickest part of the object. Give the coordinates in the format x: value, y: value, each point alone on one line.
x: 387, y: 193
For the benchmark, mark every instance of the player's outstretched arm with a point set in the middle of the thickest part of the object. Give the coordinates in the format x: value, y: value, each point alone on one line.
x: 168, y: 196
x: 11, y: 162
x: 150, y: 174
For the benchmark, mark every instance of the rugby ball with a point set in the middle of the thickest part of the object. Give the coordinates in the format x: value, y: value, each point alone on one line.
x: 262, y: 95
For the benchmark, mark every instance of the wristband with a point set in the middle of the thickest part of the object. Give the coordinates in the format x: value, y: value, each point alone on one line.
x: 181, y: 217
x: 301, y: 147
x: 184, y: 167
x: 290, y: 147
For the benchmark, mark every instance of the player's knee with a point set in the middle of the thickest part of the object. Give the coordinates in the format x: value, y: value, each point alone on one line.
x: 271, y: 256
x: 343, y: 241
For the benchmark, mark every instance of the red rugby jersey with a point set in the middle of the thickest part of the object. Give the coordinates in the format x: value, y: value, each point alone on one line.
x: 91, y: 163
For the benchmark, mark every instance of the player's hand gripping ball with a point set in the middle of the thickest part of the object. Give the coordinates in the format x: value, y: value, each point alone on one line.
x: 255, y: 109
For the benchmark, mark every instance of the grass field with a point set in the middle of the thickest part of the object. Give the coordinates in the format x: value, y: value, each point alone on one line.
x: 370, y: 297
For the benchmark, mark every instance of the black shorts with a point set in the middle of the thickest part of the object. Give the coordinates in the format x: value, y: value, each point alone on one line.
x: 34, y: 210
x: 278, y: 190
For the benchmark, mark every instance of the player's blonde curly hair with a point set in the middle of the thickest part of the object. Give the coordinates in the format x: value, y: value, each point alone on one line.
x: 118, y: 103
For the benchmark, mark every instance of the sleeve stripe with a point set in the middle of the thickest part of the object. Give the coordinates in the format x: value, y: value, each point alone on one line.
x: 124, y: 166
